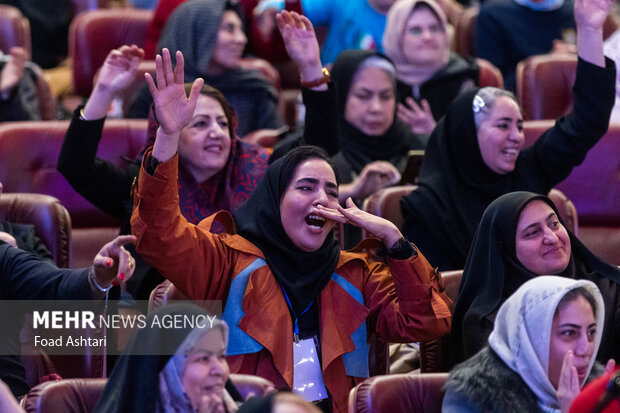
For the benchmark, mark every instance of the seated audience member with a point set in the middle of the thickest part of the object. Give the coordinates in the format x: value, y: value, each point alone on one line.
x: 282, y: 262
x: 24, y: 276
x: 430, y: 76
x: 18, y: 89
x: 354, y: 24
x: 510, y: 31
x: 539, y: 355
x: 359, y: 109
x: 217, y: 170
x: 474, y: 154
x: 49, y: 28
x: 210, y: 36
x: 177, y: 369
x: 520, y: 237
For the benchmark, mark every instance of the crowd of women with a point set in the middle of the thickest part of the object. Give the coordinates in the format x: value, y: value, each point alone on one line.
x: 223, y: 219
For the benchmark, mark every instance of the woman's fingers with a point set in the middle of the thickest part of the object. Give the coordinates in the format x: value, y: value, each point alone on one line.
x: 179, y: 70
x: 159, y: 71
x: 167, y: 67
x: 610, y: 366
x: 330, y: 213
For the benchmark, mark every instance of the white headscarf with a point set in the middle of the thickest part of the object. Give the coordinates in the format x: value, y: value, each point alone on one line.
x: 522, y: 331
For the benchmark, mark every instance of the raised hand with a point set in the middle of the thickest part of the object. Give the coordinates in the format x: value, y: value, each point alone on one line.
x: 591, y: 14
x: 419, y: 118
x: 13, y: 70
x: 113, y: 263
x: 174, y: 109
x: 299, y: 37
x: 119, y: 68
x: 301, y: 44
x: 374, y: 176
x: 379, y: 227
x: 568, y: 385
x: 118, y: 71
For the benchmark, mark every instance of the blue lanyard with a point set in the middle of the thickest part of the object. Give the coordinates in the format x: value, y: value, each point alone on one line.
x: 295, y: 324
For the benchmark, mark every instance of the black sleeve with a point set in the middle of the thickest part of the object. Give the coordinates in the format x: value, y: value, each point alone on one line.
x: 102, y: 183
x: 320, y: 125
x: 141, y: 103
x: 24, y: 276
x: 566, y: 144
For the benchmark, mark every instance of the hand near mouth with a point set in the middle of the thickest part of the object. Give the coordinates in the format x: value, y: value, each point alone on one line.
x: 568, y: 385
x: 381, y: 228
x: 211, y: 403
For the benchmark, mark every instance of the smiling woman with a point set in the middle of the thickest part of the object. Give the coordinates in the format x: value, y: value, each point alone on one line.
x: 210, y: 35
x: 290, y: 293
x: 217, y: 170
x: 430, y: 76
x: 181, y: 368
x: 476, y: 154
x: 521, y: 237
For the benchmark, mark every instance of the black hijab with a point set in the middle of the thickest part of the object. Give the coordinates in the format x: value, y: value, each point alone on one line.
x: 133, y: 385
x: 358, y: 148
x: 302, y: 274
x: 493, y: 272
x: 192, y: 29
x: 455, y: 186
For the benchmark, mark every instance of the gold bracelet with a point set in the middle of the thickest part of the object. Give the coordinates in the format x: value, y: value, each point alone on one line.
x: 317, y: 82
x: 82, y: 117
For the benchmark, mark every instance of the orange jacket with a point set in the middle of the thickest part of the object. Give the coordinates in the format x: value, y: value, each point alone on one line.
x: 401, y: 303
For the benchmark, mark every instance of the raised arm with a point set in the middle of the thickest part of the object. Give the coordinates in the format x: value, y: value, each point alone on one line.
x: 103, y: 183
x: 118, y: 70
x: 321, y: 121
x: 589, y: 17
x: 174, y: 109
x: 302, y: 46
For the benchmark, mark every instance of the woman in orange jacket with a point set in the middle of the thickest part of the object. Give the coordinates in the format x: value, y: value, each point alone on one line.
x: 288, y: 291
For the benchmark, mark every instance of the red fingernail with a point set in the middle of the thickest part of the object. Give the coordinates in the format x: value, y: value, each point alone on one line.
x: 121, y: 276
x: 108, y: 262
x: 114, y: 282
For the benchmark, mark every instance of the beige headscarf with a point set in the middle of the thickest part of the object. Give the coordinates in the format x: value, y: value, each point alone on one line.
x: 393, y: 41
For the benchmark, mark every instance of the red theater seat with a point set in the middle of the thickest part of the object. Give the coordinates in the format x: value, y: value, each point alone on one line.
x: 594, y: 188
x: 51, y: 221
x: 545, y: 85
x: 94, y: 33
x: 489, y: 74
x: 33, y: 170
x: 399, y: 393
x: 81, y: 395
x: 14, y: 29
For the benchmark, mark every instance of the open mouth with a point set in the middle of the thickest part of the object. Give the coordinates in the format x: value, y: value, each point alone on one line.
x: 213, y: 148
x: 315, y: 221
x: 512, y: 152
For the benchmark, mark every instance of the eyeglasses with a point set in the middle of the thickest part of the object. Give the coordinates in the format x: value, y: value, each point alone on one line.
x: 418, y: 31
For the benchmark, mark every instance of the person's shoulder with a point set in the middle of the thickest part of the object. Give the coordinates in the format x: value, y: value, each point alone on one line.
x: 497, y: 7
x: 473, y: 378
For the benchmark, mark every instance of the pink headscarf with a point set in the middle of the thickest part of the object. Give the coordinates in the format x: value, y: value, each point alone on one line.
x: 393, y: 41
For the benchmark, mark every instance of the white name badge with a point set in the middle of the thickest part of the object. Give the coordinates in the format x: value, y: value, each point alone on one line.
x: 307, y: 376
